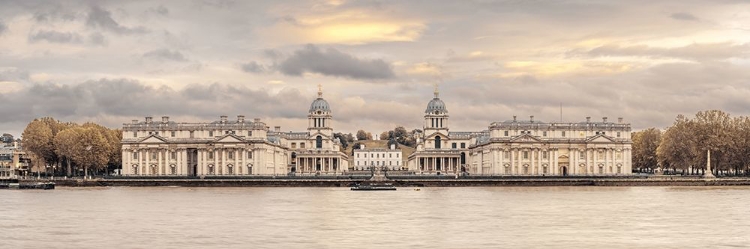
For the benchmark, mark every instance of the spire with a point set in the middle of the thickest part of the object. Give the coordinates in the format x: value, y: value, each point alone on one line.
x: 436, y: 91
x: 320, y: 91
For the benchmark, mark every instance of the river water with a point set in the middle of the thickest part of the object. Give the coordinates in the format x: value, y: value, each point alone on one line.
x: 528, y: 217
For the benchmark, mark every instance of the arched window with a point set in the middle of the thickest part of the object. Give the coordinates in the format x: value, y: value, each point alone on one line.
x: 230, y: 170
x: 437, y: 142
x: 319, y: 142
x: 463, y: 158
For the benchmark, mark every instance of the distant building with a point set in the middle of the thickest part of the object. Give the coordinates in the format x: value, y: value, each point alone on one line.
x: 12, y: 159
x: 390, y: 158
x: 6, y: 138
x: 522, y: 147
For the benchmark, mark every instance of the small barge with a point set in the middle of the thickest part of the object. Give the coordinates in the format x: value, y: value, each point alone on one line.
x: 14, y: 184
x: 373, y: 187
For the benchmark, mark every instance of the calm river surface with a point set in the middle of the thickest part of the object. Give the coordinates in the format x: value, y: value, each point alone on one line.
x: 531, y: 217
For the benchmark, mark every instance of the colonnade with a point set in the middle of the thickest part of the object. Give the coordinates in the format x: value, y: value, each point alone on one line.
x: 317, y: 164
x: 432, y: 164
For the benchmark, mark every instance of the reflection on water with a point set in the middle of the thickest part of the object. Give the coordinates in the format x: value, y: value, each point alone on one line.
x: 531, y: 217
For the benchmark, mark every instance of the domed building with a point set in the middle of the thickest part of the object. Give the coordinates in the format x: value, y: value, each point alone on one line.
x: 522, y: 147
x: 315, y: 151
x: 439, y: 151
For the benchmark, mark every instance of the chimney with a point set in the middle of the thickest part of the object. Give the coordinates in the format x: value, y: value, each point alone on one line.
x: 532, y: 118
x: 393, y: 146
x: 149, y: 119
x: 165, y: 119
x: 361, y: 146
x: 514, y: 118
x: 257, y: 120
x: 604, y: 119
x: 135, y: 121
x: 240, y: 118
x: 223, y: 118
x: 619, y: 120
x: 588, y: 119
x: 277, y: 128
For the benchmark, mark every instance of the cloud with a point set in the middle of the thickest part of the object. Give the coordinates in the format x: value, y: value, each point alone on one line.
x: 13, y: 74
x: 55, y: 37
x: 126, y: 98
x: 253, y: 67
x: 102, y: 19
x: 165, y: 54
x: 704, y: 51
x: 331, y: 62
x: 3, y: 27
x: 97, y: 38
x: 682, y: 16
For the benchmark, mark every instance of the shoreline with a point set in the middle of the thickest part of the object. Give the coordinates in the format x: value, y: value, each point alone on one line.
x: 489, y: 182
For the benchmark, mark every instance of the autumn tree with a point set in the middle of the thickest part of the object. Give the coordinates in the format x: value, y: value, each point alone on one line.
x: 645, y: 145
x: 361, y: 135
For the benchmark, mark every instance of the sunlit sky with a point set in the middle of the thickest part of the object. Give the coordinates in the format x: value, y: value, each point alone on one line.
x: 377, y: 61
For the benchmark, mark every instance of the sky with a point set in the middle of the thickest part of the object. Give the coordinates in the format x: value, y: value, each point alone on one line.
x: 378, y: 62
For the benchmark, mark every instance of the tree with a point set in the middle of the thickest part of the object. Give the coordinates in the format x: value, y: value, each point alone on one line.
x: 64, y: 146
x: 91, y: 150
x: 38, y: 140
x: 645, y: 144
x: 362, y: 135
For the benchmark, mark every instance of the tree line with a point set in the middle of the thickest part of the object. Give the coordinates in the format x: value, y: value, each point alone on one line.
x: 72, y: 147
x: 682, y: 147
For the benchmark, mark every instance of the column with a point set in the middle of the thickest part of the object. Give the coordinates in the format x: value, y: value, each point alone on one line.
x: 533, y: 166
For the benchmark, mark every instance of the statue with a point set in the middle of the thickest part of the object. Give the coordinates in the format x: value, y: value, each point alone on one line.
x: 708, y: 173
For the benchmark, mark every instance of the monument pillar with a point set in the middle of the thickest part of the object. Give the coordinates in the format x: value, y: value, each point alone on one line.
x: 708, y: 173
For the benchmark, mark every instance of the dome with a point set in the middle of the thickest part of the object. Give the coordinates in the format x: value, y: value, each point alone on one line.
x: 320, y: 104
x: 436, y: 105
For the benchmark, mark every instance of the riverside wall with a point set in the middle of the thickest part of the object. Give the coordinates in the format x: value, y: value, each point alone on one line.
x: 448, y: 182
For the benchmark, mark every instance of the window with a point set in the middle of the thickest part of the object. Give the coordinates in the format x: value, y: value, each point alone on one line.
x: 507, y: 170
x: 619, y: 155
x: 135, y: 134
x: 249, y: 133
x: 601, y: 170
x: 506, y: 133
x: 172, y: 134
x: 210, y: 155
x: 563, y: 133
x: 230, y: 170
x: 210, y: 133
x: 544, y: 170
x: 230, y: 155
x: 453, y: 145
x: 302, y: 145
x: 249, y: 155
x: 174, y: 155
x: 397, y: 155
x: 153, y: 155
x: 601, y: 155
x: 506, y: 154
x: 135, y: 155
x: 210, y: 169
x: 544, y: 155
x: 294, y: 145
x: 544, y: 134
x: 525, y: 155
x: 437, y: 142
x: 618, y: 134
x: 619, y: 170
x: 463, y: 145
x: 226, y: 132
x: 192, y: 134
x: 172, y: 170
x: 582, y: 155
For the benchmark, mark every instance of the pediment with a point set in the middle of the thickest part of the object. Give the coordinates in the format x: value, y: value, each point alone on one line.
x: 229, y: 138
x: 315, y: 135
x: 525, y: 138
x: 153, y: 139
x: 599, y: 139
x: 437, y: 133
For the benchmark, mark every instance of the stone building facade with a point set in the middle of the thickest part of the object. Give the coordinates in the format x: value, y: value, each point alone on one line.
x: 390, y: 158
x: 231, y: 147
x: 522, y: 147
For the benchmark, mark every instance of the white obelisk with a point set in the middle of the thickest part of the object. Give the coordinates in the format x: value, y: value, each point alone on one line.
x: 708, y: 173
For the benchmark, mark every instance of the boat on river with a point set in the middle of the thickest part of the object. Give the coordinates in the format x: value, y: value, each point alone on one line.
x: 373, y: 187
